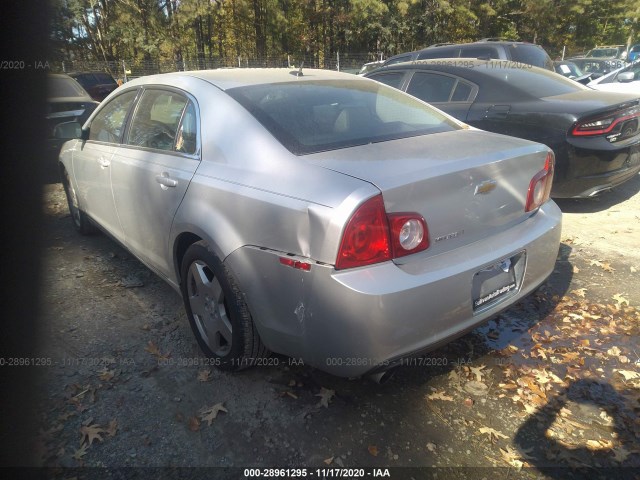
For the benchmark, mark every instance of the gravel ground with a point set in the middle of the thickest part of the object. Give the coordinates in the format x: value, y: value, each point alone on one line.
x: 549, y: 389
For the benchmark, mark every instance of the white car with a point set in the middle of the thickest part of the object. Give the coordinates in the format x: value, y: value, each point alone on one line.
x: 625, y: 79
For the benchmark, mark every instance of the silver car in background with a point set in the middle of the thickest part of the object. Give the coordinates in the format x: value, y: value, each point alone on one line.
x: 314, y: 214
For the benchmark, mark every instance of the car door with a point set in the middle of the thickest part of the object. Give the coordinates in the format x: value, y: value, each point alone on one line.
x: 446, y: 92
x: 92, y: 162
x: 152, y: 171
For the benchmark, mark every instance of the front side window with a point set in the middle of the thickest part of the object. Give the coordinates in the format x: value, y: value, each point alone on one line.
x: 107, y: 125
x: 156, y: 119
x: 314, y: 116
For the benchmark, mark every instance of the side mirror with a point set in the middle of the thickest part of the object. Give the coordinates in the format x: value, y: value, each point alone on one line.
x: 625, y: 77
x: 595, y: 75
x: 68, y: 131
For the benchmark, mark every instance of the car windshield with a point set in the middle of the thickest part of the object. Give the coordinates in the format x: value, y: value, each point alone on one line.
x: 569, y: 69
x: 536, y: 82
x: 314, y: 116
x: 603, y: 52
x: 64, y: 87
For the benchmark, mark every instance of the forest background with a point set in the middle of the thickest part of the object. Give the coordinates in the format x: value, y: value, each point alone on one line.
x: 165, y: 35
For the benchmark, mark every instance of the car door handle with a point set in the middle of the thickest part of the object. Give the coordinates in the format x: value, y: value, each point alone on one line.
x: 165, y: 181
x: 103, y: 162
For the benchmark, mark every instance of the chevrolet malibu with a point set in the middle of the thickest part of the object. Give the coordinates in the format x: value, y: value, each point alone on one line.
x: 314, y: 214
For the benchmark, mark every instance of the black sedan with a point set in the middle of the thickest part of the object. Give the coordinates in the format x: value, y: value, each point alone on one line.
x: 594, y: 135
x: 67, y: 101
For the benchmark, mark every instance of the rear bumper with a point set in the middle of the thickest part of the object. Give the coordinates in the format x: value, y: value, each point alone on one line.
x: 353, y: 322
x: 588, y: 172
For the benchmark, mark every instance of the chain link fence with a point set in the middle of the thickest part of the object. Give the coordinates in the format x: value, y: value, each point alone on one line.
x: 127, y: 70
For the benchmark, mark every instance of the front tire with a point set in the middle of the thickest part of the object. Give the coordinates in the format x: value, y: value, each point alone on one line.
x: 217, y: 312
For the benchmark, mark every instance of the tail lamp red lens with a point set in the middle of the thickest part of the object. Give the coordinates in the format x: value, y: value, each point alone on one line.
x: 540, y: 186
x: 606, y: 124
x: 371, y: 236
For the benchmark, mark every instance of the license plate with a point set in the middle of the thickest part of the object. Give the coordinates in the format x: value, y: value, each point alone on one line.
x: 497, y: 282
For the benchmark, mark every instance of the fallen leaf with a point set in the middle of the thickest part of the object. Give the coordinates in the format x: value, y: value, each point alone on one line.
x: 620, y: 299
x: 608, y: 268
x: 512, y: 457
x: 153, y: 349
x: 620, y: 454
x: 112, y: 428
x: 194, y: 424
x: 106, y: 375
x: 431, y: 447
x: 439, y: 396
x: 325, y: 396
x: 579, y: 292
x: 476, y: 388
x: 91, y: 433
x: 204, y: 375
x: 477, y: 371
x: 373, y: 450
x: 208, y: 414
x: 492, y: 433
x: 328, y: 461
x: 81, y: 452
x: 628, y: 374
x: 615, y: 351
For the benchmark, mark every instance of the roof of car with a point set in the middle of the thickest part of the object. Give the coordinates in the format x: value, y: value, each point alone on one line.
x: 226, y: 78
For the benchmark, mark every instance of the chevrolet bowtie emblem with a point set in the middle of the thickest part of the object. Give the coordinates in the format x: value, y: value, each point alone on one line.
x: 485, y: 187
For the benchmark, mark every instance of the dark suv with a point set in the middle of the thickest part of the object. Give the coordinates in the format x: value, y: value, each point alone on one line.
x: 521, y: 52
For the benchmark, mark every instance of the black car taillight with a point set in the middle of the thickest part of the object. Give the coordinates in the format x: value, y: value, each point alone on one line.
x: 611, y: 123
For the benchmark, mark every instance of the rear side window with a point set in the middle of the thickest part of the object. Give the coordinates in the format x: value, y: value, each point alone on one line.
x: 107, y: 125
x: 431, y: 87
x: 315, y: 116
x: 437, y: 52
x: 479, y: 51
x: 462, y: 93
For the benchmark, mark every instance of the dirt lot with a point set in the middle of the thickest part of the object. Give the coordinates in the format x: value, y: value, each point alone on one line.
x: 549, y: 389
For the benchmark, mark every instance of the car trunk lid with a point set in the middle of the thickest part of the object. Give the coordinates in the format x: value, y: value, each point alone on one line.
x: 468, y: 185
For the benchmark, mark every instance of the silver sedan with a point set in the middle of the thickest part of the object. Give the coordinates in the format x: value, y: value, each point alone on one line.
x: 314, y: 214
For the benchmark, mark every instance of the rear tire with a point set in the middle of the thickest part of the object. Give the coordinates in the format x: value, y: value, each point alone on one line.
x: 81, y: 221
x: 217, y: 312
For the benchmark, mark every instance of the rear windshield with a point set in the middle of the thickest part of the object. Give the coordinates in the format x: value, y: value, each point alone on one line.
x: 531, y: 55
x: 64, y: 87
x: 314, y: 116
x: 536, y: 82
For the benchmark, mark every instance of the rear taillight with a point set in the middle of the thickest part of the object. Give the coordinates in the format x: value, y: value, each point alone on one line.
x: 540, y: 185
x: 605, y: 124
x: 371, y: 236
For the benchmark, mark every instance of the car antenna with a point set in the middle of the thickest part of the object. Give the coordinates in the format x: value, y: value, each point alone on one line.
x: 298, y: 73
